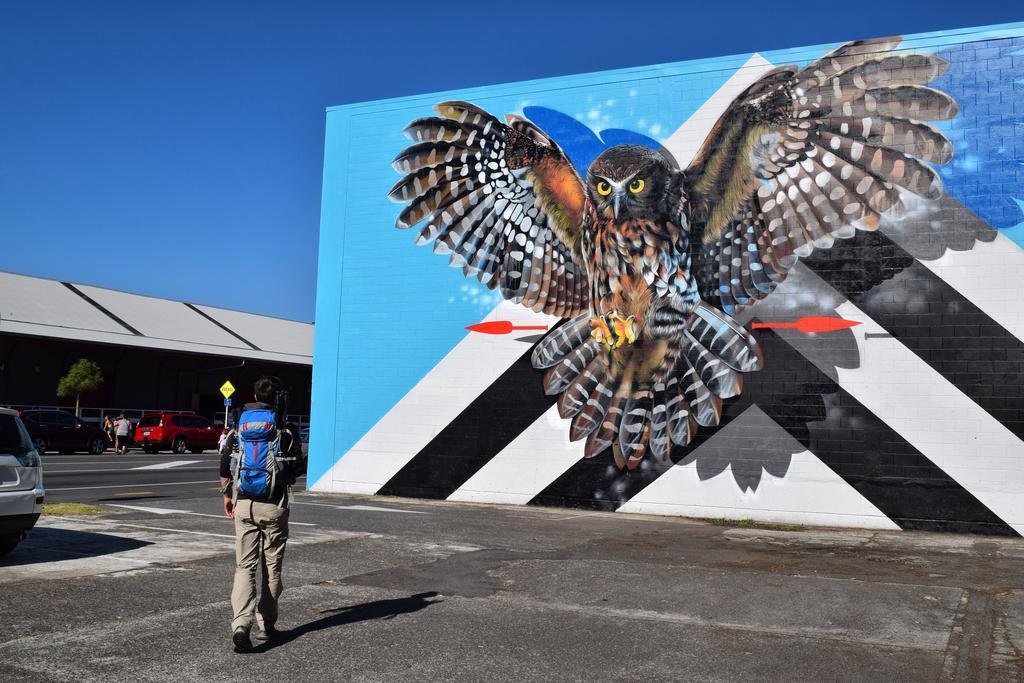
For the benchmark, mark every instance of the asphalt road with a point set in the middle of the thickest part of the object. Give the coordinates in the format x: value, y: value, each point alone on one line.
x: 134, y: 476
x: 393, y: 590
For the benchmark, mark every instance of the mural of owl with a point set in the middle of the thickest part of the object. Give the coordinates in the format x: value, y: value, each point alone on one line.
x: 648, y: 263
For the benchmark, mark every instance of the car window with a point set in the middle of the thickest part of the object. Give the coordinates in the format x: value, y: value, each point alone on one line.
x: 150, y: 421
x: 178, y: 421
x: 13, y: 439
x: 201, y: 422
x: 65, y: 420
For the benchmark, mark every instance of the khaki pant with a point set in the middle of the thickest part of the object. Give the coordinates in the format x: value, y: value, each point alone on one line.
x: 261, y: 533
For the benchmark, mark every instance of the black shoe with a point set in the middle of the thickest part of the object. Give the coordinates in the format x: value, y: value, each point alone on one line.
x: 241, y: 640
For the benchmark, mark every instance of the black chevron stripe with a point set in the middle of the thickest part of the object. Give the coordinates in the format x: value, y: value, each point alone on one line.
x: 931, y: 318
x: 871, y: 457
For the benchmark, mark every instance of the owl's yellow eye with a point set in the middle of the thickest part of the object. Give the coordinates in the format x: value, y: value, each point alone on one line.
x: 637, y: 185
x: 604, y: 189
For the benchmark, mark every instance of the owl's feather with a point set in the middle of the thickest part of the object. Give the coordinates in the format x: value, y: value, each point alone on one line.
x: 499, y: 200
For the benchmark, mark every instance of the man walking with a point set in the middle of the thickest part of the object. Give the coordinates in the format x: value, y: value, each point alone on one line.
x: 260, y: 460
x: 123, y: 428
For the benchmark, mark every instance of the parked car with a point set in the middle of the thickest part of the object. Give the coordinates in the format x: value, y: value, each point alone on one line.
x: 177, y: 432
x: 21, y: 481
x: 63, y: 432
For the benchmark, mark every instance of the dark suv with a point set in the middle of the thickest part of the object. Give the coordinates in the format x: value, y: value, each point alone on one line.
x: 55, y: 430
x: 179, y: 432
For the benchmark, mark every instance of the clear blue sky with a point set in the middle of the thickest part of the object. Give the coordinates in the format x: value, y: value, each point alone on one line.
x: 143, y: 145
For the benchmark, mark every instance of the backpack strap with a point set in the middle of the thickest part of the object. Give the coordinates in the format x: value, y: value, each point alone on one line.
x: 236, y: 474
x: 275, y: 451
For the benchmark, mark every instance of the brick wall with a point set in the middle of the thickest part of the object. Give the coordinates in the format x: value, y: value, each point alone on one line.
x: 912, y: 419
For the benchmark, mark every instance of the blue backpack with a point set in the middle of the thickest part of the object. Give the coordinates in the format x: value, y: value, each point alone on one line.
x: 257, y: 459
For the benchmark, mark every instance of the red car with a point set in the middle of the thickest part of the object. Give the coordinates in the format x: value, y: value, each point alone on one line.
x: 55, y: 430
x: 176, y: 431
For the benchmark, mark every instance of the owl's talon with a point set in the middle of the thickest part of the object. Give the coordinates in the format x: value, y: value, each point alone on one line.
x: 613, y: 330
x: 624, y: 328
x: 602, y: 332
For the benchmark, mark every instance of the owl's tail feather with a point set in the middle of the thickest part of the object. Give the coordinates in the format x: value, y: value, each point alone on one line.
x: 645, y: 397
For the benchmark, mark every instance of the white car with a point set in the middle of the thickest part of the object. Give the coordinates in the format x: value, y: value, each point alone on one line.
x: 21, y: 481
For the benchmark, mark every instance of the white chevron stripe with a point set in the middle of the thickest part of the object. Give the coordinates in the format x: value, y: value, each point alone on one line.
x: 991, y: 276
x: 685, y: 142
x: 436, y: 400
x: 524, y: 468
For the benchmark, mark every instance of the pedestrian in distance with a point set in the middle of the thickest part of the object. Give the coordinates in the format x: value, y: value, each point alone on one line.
x: 260, y: 460
x: 123, y: 428
x: 108, y: 430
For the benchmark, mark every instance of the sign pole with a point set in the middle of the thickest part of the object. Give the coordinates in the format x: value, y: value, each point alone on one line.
x: 226, y: 390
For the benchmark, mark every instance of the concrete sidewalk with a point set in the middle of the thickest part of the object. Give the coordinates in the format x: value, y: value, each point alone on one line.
x: 461, y: 592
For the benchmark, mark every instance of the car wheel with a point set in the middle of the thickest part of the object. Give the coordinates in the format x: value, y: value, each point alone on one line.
x: 8, y: 542
x: 179, y: 446
x: 97, y: 446
x: 41, y: 444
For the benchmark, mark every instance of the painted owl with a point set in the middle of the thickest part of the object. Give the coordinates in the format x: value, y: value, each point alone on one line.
x: 648, y: 263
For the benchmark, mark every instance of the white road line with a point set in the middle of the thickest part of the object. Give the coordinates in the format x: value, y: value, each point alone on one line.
x: 177, y: 531
x: 291, y: 540
x: 169, y: 511
x: 129, y: 486
x: 368, y: 508
x: 167, y: 465
x: 50, y: 471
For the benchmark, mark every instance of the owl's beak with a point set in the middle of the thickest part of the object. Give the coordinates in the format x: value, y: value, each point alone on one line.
x: 615, y: 205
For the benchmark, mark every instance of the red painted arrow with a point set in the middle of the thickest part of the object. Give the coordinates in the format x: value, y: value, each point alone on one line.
x: 811, y: 323
x: 502, y: 327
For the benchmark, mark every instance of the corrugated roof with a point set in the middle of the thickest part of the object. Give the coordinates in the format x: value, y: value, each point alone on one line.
x: 50, y: 308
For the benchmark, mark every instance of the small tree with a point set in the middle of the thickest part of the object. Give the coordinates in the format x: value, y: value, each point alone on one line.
x: 84, y: 376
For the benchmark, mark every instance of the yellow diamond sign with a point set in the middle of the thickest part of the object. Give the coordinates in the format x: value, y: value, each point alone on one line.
x: 227, y: 389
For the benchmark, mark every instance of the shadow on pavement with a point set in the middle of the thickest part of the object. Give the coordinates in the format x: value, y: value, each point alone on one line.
x: 378, y: 609
x: 50, y: 544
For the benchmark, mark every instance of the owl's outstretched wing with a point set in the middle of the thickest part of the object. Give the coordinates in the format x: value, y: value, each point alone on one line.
x: 803, y: 157
x: 503, y: 200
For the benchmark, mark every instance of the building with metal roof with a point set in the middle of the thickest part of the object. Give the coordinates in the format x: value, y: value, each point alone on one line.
x: 155, y: 353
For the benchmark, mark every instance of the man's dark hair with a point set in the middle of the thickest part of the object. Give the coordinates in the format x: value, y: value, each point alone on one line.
x: 267, y: 388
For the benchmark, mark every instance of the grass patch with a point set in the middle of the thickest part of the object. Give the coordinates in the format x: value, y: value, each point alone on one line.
x: 751, y: 524
x: 71, y: 509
